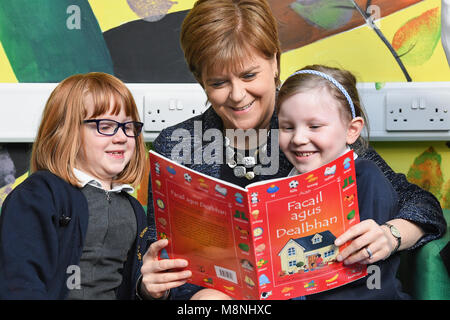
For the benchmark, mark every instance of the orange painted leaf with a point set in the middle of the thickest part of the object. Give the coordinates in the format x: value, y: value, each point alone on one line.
x: 416, y: 40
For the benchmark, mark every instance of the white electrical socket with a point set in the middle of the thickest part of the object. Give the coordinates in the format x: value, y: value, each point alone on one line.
x: 26, y: 101
x: 170, y: 104
x: 418, y: 111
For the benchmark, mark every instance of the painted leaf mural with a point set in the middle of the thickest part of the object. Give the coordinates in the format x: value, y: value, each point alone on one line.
x: 426, y: 172
x: 4, y: 191
x: 46, y: 41
x: 416, y: 40
x: 325, y: 14
x: 445, y: 201
x: 151, y: 10
x: 7, y: 169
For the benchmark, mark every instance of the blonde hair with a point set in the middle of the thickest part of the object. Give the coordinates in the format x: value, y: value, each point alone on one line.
x: 303, y: 82
x: 59, y: 137
x: 220, y: 34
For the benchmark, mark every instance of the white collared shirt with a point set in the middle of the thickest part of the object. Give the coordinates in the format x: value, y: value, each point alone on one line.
x: 294, y: 171
x: 85, y: 179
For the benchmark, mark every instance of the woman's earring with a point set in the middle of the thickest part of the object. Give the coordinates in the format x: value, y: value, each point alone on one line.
x: 277, y: 83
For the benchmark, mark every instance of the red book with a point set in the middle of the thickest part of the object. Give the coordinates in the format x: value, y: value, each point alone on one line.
x: 271, y: 240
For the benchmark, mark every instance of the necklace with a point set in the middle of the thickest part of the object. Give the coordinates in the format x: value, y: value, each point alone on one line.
x: 243, y: 166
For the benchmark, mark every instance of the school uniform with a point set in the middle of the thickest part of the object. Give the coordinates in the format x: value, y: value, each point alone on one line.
x: 377, y: 200
x: 43, y: 230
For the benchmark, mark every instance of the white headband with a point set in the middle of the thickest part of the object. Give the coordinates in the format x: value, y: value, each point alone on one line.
x: 333, y: 81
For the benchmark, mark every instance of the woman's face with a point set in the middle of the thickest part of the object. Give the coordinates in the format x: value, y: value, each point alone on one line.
x: 104, y: 157
x: 243, y: 97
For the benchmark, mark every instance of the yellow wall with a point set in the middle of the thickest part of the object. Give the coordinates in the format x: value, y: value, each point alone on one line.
x: 358, y: 50
x: 401, y: 156
x: 362, y: 52
x: 111, y: 14
x: 6, y: 72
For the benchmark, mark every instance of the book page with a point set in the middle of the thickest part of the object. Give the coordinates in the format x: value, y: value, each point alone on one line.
x: 272, y: 241
x: 207, y: 223
x: 298, y: 220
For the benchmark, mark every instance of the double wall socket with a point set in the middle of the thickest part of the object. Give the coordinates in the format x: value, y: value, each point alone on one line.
x: 419, y: 111
x: 407, y: 111
x: 164, y: 104
x: 171, y: 104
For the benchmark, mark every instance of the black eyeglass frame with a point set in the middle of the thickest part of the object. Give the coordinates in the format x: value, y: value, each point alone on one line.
x: 138, y: 125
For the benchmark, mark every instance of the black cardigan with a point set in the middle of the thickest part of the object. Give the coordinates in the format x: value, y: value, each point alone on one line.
x: 43, y: 224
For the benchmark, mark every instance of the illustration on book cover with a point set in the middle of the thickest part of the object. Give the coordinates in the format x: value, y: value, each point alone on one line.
x: 271, y: 240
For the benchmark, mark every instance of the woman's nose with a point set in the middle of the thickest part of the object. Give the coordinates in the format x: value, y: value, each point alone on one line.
x: 237, y: 92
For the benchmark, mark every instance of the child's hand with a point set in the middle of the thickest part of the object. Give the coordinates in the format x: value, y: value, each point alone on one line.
x: 158, y: 276
x: 210, y: 294
x: 366, y: 234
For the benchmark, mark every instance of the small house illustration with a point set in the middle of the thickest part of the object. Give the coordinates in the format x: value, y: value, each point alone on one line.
x: 308, y: 252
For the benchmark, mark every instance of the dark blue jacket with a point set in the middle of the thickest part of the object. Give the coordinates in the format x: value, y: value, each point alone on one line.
x: 378, y: 201
x: 43, y: 225
x: 415, y: 204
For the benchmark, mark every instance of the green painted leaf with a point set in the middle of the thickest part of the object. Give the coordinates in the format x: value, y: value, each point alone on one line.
x: 44, y: 44
x: 445, y: 201
x: 326, y: 14
x: 379, y: 85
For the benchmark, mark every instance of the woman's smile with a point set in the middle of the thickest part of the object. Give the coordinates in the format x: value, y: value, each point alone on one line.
x: 244, y: 109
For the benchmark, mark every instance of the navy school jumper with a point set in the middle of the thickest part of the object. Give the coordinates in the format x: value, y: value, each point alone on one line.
x: 43, y: 225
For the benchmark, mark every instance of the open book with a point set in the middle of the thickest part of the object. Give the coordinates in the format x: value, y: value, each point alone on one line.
x: 271, y: 240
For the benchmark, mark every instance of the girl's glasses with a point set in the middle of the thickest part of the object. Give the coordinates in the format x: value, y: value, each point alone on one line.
x: 109, y: 127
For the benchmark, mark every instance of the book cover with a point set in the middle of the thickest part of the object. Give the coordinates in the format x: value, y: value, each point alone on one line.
x: 271, y: 240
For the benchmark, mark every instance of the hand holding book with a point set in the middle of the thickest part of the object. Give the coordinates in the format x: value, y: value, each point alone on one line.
x: 271, y: 240
x: 366, y: 234
x: 161, y: 275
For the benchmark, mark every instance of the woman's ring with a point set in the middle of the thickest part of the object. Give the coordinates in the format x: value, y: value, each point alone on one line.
x: 369, y: 252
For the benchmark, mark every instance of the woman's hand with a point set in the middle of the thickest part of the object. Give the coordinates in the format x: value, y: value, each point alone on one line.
x: 158, y: 276
x: 366, y: 237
